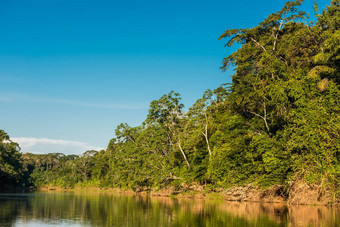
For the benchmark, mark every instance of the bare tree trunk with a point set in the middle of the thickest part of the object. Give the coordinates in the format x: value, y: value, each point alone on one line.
x: 263, y: 117
x: 206, y: 138
x: 185, y: 157
x: 257, y: 43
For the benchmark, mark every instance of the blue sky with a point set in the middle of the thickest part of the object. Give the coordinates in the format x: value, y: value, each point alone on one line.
x: 72, y: 70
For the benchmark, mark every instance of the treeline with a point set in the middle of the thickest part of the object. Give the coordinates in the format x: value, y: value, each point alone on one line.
x: 11, y: 175
x: 278, y: 122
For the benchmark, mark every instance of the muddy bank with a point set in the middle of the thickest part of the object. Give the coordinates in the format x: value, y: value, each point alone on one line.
x: 300, y: 193
x: 246, y: 193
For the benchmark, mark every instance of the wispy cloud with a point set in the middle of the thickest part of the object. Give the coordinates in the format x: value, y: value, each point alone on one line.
x: 11, y: 98
x: 45, y: 145
x: 5, y: 99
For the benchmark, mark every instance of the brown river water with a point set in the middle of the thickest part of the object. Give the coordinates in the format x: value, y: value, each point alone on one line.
x: 112, y: 209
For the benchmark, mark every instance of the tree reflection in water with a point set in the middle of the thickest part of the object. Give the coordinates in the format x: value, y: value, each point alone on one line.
x: 110, y: 209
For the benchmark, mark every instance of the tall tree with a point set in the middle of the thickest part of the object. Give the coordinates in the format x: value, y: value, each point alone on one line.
x: 10, y: 164
x: 167, y: 112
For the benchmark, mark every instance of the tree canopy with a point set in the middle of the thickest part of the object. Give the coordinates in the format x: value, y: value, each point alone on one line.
x: 277, y: 123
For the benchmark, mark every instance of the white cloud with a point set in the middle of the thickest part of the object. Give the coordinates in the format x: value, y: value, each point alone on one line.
x: 45, y: 145
x: 10, y: 98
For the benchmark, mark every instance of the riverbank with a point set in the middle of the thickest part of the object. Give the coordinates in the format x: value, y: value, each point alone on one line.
x: 299, y: 194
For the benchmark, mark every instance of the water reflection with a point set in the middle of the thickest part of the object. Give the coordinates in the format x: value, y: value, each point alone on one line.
x: 105, y: 209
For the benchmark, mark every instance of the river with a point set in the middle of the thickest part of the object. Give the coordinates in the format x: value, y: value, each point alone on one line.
x: 112, y: 209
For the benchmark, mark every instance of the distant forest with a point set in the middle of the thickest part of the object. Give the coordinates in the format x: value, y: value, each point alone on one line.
x: 277, y: 123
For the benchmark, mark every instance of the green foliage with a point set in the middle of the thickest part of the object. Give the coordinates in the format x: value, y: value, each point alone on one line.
x: 278, y: 121
x: 10, y: 165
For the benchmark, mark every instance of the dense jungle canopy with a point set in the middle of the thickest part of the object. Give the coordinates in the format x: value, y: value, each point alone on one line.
x: 276, y: 123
